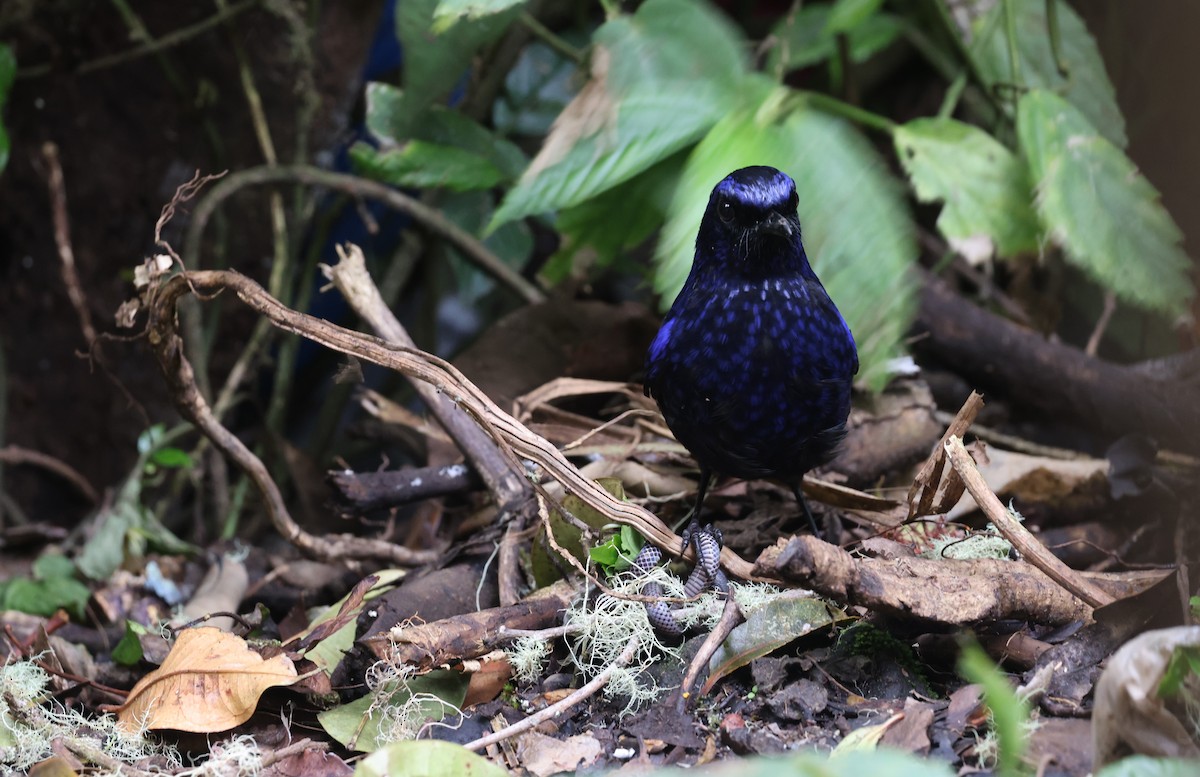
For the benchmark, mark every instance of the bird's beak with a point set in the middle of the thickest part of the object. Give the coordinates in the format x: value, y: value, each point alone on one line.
x: 777, y: 224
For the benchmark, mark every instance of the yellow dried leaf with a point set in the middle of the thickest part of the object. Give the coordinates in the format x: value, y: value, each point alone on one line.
x: 210, y: 681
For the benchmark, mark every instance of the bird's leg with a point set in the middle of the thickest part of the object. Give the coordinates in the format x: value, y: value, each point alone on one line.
x: 812, y: 522
x: 693, y: 516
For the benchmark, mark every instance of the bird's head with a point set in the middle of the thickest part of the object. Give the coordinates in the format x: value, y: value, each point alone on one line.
x: 751, y: 226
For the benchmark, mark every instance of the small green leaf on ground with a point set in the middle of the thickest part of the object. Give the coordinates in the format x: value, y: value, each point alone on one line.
x: 1095, y: 204
x: 418, y: 700
x: 426, y: 758
x: 129, y: 650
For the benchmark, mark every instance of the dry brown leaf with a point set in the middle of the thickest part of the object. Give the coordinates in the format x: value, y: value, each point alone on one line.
x: 210, y: 681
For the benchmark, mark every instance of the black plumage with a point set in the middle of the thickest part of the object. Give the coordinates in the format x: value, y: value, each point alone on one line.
x: 753, y: 365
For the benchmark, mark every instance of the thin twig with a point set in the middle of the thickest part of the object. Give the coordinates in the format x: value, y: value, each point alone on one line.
x: 12, y: 454
x: 181, y: 35
x: 507, y: 485
x: 556, y: 709
x: 1025, y: 543
x: 517, y: 440
x: 1110, y: 307
x: 62, y: 239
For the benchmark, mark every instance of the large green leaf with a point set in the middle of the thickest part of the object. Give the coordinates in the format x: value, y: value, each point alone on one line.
x: 8, y: 72
x: 806, y: 36
x: 1099, y: 208
x: 440, y: 126
x: 985, y: 188
x: 437, y: 59
x: 660, y: 79
x: 426, y: 165
x: 849, y: 14
x: 856, y: 227
x: 449, y: 12
x: 1086, y: 85
x: 604, y: 227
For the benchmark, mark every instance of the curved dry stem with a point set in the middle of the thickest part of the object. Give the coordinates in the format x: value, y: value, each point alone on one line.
x: 435, y: 222
x: 514, y: 440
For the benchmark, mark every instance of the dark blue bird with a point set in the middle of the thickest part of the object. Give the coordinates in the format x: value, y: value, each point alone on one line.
x: 753, y: 364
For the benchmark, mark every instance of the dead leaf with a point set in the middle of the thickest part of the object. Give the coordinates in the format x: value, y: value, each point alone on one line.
x: 542, y: 755
x: 210, y: 681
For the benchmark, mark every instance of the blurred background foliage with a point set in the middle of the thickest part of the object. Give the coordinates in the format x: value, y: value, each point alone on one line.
x: 1024, y: 156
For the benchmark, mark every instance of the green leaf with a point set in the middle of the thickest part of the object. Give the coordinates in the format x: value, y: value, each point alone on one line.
x: 434, y: 61
x: 8, y: 72
x: 44, y: 596
x: 426, y: 758
x: 358, y: 728
x: 448, y: 12
x: 537, y: 89
x: 602, y: 229
x: 440, y: 126
x: 52, y: 565
x: 512, y: 243
x: 1086, y: 87
x: 128, y: 651
x: 803, y: 38
x: 424, y: 165
x: 1147, y: 766
x: 1185, y: 662
x: 857, y: 231
x: 1009, y: 712
x: 171, y: 458
x: 1099, y: 208
x: 847, y: 15
x: 777, y: 623
x: 985, y: 188
x: 660, y: 79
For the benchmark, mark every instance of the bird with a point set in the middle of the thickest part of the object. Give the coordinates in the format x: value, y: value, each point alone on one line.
x: 753, y: 365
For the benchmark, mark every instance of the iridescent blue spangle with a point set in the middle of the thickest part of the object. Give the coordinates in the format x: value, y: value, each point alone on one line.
x: 753, y: 364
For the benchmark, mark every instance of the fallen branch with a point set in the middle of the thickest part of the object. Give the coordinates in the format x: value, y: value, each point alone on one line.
x: 509, y: 488
x: 950, y: 591
x: 471, y: 634
x: 1152, y: 398
x: 1025, y: 543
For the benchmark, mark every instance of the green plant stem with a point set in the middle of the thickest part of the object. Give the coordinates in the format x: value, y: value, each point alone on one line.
x: 1056, y: 38
x: 551, y: 39
x: 953, y: 93
x: 858, y: 115
x: 981, y: 103
x: 1010, y: 32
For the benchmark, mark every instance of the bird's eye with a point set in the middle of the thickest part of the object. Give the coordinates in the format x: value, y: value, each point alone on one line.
x: 793, y: 200
x: 726, y: 211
